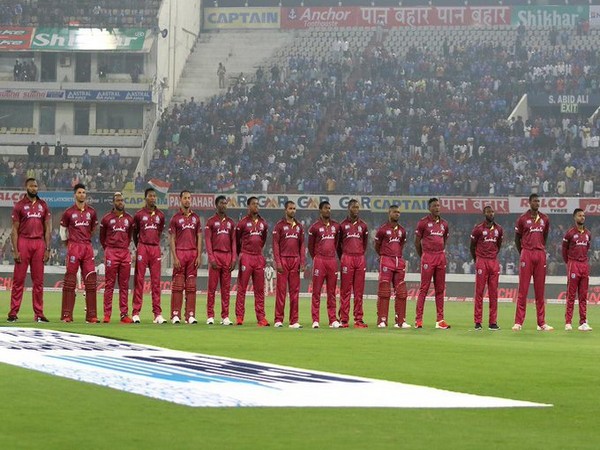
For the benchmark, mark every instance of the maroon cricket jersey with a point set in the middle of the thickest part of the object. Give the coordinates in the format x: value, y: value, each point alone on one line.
x: 251, y: 235
x: 288, y: 241
x: 80, y: 223
x: 354, y: 237
x: 433, y: 234
x: 323, y: 239
x: 487, y: 240
x: 149, y: 224
x: 186, y: 228
x: 219, y: 236
x: 576, y: 245
x: 533, y: 230
x: 391, y: 239
x: 31, y: 217
x: 116, y: 230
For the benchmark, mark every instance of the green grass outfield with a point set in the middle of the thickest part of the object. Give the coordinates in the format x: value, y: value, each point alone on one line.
x: 42, y: 411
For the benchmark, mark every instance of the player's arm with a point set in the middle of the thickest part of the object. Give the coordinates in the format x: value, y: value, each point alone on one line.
x: 234, y: 248
x: 472, y: 248
x: 14, y: 239
x: 565, y: 248
x: 446, y: 233
x: 63, y: 230
x: 518, y: 232
x: 546, y: 231
x: 238, y: 238
x: 500, y: 239
x: 518, y: 242
x: 199, y: 247
x: 377, y: 242
x: 135, y: 230
x: 209, y: 247
x: 103, y: 233
x: 311, y: 243
x: 276, y: 252
x: 302, y: 251
x: 173, y: 250
x: 418, y: 247
x: 365, y: 240
x: 94, y: 225
x: 47, y: 236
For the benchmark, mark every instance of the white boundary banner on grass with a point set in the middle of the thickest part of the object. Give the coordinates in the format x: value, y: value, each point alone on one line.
x: 210, y: 381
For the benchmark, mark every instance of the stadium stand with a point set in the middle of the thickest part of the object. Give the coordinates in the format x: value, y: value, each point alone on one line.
x: 432, y: 121
x: 85, y: 13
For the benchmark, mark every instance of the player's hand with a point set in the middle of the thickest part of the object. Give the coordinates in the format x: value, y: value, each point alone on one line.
x: 279, y: 268
x: 214, y: 265
x: 17, y: 256
x: 46, y: 255
x: 198, y: 261
x: 232, y: 266
x: 302, y: 269
x: 176, y: 263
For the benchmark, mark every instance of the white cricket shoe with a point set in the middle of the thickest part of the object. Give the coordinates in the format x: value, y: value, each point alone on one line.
x: 315, y: 325
x: 135, y: 319
x: 381, y: 325
x: 584, y: 327
x: 210, y: 321
x: 545, y: 327
x: 192, y: 320
x: 226, y: 321
x: 568, y: 327
x: 278, y: 325
x: 402, y: 325
x: 517, y: 327
x: 295, y: 325
x: 334, y: 324
x: 175, y: 320
x: 159, y: 319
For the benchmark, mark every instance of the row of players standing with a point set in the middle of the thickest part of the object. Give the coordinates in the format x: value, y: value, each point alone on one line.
x: 226, y: 241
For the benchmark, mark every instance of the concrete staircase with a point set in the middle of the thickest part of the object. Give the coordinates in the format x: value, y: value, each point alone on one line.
x: 239, y: 51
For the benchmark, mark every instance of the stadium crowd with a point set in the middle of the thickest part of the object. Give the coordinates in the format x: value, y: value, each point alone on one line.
x: 422, y: 124
x: 55, y: 169
x: 95, y: 13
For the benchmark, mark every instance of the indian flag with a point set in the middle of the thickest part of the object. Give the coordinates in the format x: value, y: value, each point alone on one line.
x: 160, y: 185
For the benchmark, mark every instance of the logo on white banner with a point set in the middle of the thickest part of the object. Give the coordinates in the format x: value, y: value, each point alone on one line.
x: 202, y: 380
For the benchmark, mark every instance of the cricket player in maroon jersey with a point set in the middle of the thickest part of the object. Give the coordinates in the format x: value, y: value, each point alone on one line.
x: 486, y: 240
x: 251, y: 236
x: 531, y: 233
x: 389, y: 245
x: 288, y: 251
x: 219, y: 235
x: 575, y: 248
x: 185, y: 242
x: 323, y: 237
x: 430, y: 242
x: 352, y: 246
x: 77, y: 225
x: 116, y: 228
x: 148, y: 225
x: 30, y: 239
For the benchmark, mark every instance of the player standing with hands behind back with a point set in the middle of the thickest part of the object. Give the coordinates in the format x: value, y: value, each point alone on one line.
x: 486, y: 240
x: 430, y: 242
x: 531, y: 233
x: 389, y: 245
x: 77, y: 225
x: 30, y: 239
x: 575, y: 248
x: 185, y: 242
